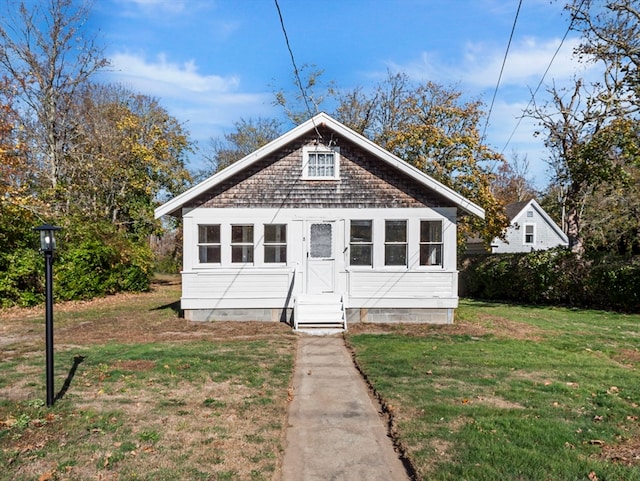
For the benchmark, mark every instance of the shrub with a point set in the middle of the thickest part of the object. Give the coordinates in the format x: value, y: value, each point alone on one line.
x: 20, y: 278
x: 553, y: 277
x: 93, y: 268
x: 91, y: 260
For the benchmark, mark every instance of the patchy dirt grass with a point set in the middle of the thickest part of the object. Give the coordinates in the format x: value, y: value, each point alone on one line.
x: 149, y: 395
x: 482, y: 326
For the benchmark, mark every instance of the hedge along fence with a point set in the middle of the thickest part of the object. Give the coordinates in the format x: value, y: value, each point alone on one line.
x: 553, y: 277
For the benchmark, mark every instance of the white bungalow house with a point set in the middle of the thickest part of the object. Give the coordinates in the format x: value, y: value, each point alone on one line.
x: 321, y: 225
x: 530, y: 229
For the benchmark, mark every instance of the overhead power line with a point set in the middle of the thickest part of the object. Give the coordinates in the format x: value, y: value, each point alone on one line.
x: 296, y: 72
x: 504, y: 61
x: 533, y: 95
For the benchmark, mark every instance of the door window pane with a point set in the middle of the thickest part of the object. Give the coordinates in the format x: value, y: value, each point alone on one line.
x: 320, y: 245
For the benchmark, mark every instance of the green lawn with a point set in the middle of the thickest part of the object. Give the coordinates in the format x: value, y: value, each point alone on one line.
x: 512, y: 393
x: 507, y: 393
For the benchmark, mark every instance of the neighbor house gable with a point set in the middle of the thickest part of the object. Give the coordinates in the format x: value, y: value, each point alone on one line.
x: 530, y: 228
x: 518, y: 216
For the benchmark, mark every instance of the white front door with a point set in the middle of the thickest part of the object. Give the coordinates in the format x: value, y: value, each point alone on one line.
x: 321, y: 257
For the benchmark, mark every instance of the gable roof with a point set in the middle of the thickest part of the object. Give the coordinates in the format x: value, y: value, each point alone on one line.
x: 173, y: 206
x: 518, y: 209
x: 513, y: 209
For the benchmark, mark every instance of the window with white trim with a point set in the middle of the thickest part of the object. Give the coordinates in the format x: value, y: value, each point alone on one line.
x: 209, y: 244
x: 431, y: 243
x: 361, y: 243
x: 275, y: 243
x: 529, y: 234
x: 395, y: 243
x: 241, y: 244
x: 320, y: 162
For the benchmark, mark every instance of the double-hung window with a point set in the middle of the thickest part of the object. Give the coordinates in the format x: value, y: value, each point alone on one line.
x: 431, y: 243
x: 529, y: 234
x: 395, y: 243
x: 275, y: 243
x: 209, y: 244
x: 361, y: 243
x: 320, y: 162
x: 241, y: 244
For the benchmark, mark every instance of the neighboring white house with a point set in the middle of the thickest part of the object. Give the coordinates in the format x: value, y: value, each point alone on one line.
x: 530, y: 229
x: 320, y: 224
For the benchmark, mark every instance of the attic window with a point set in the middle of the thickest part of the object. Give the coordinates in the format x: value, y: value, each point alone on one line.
x: 320, y: 162
x: 529, y: 213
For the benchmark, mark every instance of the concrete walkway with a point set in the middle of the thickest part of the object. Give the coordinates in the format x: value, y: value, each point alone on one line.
x: 335, y: 431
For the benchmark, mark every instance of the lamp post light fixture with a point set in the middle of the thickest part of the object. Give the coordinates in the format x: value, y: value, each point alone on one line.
x: 47, y: 246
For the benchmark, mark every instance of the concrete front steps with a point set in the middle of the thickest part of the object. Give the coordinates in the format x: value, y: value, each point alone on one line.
x: 319, y: 314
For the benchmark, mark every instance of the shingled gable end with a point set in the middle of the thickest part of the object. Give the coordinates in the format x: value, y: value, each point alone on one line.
x: 320, y: 227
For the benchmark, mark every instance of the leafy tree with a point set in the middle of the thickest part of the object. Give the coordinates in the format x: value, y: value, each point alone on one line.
x: 17, y: 205
x: 127, y: 152
x: 19, y: 261
x: 612, y: 217
x: 588, y: 147
x: 510, y: 182
x: 46, y: 51
x: 248, y: 136
x: 611, y: 35
x: 590, y: 129
x: 430, y: 127
x: 310, y: 96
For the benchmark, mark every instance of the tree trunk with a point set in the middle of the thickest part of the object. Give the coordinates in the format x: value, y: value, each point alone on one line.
x: 573, y: 231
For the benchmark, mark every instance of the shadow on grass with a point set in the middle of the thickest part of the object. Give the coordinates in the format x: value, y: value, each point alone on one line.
x: 174, y: 306
x: 72, y: 372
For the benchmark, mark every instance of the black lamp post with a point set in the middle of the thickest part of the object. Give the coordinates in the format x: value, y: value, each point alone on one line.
x: 47, y: 246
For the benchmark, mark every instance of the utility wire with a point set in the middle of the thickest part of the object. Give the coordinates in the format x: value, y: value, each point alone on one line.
x: 504, y: 61
x: 533, y: 95
x: 295, y: 68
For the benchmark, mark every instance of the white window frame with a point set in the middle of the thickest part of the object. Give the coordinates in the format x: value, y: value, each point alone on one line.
x: 210, y: 244
x: 353, y: 243
x: 533, y: 234
x: 405, y: 243
x: 243, y: 244
x: 422, y: 243
x: 277, y: 244
x: 320, y: 149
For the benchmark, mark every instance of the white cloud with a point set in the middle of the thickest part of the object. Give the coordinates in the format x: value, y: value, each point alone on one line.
x: 526, y: 62
x: 162, y: 77
x: 208, y: 104
x: 167, y: 6
x: 479, y: 65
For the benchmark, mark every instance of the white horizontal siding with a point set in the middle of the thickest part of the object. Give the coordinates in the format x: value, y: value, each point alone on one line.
x: 237, y: 284
x: 402, y: 285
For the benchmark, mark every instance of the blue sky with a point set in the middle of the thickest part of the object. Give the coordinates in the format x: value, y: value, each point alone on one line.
x: 213, y: 62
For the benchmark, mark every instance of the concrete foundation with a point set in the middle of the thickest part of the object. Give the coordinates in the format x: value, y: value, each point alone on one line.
x: 263, y: 315
x: 354, y: 315
x: 397, y: 315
